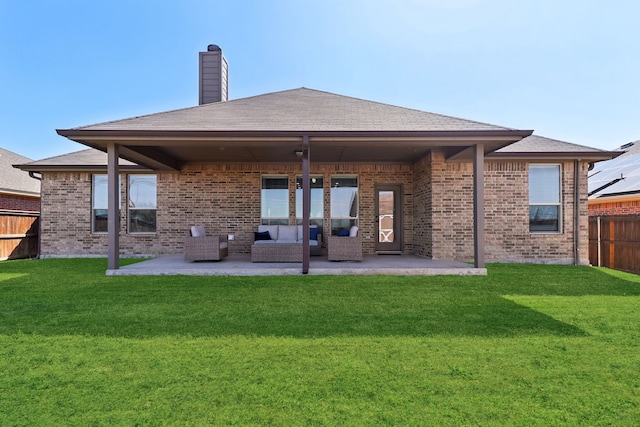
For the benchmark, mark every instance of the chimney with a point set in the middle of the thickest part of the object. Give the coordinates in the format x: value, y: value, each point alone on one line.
x: 214, y: 73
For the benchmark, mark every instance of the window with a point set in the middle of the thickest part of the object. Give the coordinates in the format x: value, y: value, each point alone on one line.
x: 344, y: 204
x: 99, y: 204
x: 142, y: 203
x: 317, y: 201
x: 544, y: 198
x: 274, y: 201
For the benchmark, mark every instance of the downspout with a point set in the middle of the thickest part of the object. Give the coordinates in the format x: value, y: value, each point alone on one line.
x: 576, y: 212
x: 32, y: 174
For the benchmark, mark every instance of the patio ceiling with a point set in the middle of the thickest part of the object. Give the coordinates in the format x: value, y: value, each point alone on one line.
x: 172, y: 149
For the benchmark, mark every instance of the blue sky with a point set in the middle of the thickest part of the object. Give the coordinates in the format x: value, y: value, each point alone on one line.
x: 568, y: 69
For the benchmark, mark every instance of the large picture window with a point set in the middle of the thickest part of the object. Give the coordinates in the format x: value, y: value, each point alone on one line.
x: 344, y: 204
x: 274, y: 201
x: 544, y: 198
x: 316, y: 214
x: 142, y: 203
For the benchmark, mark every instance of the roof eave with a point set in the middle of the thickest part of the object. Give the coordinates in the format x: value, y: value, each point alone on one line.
x: 79, y: 168
x: 556, y: 155
x: 20, y: 193
x: 79, y: 133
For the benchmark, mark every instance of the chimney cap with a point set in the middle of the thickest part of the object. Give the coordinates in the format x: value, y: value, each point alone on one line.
x: 213, y: 48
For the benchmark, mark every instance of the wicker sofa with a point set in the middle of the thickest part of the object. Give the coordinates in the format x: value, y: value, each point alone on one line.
x: 283, y: 243
x: 200, y: 247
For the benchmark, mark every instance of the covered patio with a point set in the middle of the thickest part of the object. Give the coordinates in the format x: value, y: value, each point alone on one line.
x: 241, y: 265
x: 273, y: 132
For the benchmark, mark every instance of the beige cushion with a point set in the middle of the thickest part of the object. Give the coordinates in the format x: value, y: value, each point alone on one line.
x: 288, y: 232
x: 197, y: 231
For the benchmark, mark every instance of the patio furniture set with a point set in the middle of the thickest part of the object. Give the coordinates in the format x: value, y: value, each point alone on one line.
x: 274, y: 243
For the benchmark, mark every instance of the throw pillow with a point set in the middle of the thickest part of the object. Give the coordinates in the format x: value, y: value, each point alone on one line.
x: 261, y: 235
x: 353, y: 232
x: 313, y: 233
x: 343, y: 232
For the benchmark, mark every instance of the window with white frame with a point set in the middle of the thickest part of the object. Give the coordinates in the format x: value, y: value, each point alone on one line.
x: 316, y: 213
x: 142, y: 203
x: 344, y: 204
x: 545, y: 204
x: 274, y: 200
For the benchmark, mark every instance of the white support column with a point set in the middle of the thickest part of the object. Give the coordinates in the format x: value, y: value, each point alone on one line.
x: 478, y: 206
x: 113, y: 216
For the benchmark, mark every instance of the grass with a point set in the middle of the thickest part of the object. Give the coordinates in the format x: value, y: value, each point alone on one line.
x: 525, y: 345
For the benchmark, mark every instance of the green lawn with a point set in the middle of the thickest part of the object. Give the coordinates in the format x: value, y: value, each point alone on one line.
x: 525, y: 345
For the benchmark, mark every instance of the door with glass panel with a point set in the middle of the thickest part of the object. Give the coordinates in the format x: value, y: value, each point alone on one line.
x: 388, y: 212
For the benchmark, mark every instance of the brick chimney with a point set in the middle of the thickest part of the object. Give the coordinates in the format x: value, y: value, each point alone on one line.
x: 214, y: 73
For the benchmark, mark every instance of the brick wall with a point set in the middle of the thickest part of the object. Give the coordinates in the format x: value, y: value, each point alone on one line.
x: 506, y: 213
x: 14, y: 202
x: 626, y: 207
x: 225, y: 198
x: 423, y: 219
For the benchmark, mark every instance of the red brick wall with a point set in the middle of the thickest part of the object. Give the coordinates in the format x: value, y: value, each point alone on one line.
x: 14, y: 202
x: 627, y: 207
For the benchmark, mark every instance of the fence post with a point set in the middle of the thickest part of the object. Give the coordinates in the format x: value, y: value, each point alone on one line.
x: 599, y: 242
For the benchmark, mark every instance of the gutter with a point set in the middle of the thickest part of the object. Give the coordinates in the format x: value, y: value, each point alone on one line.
x: 89, y: 133
x: 576, y: 212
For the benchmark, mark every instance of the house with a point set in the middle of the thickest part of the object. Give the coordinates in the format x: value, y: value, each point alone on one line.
x: 614, y: 185
x: 614, y: 211
x: 19, y: 208
x: 19, y: 192
x: 460, y: 189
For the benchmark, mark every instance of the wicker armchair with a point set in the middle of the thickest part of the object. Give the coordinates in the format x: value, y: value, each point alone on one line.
x: 341, y: 248
x: 199, y: 247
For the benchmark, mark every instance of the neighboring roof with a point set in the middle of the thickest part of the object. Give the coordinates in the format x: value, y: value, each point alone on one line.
x: 619, y: 177
x: 536, y: 146
x: 84, y: 160
x: 15, y: 181
x: 296, y: 110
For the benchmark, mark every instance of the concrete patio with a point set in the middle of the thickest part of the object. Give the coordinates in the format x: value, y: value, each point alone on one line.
x: 241, y: 265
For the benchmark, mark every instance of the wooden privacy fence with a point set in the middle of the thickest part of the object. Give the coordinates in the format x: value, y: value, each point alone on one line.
x: 614, y: 242
x: 18, y: 235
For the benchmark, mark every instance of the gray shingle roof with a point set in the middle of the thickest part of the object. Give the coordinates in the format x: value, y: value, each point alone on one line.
x: 296, y: 110
x: 78, y: 160
x: 13, y: 180
x: 540, y: 144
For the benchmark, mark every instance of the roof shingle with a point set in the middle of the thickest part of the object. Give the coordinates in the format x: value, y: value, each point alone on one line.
x: 295, y: 110
x: 13, y: 180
